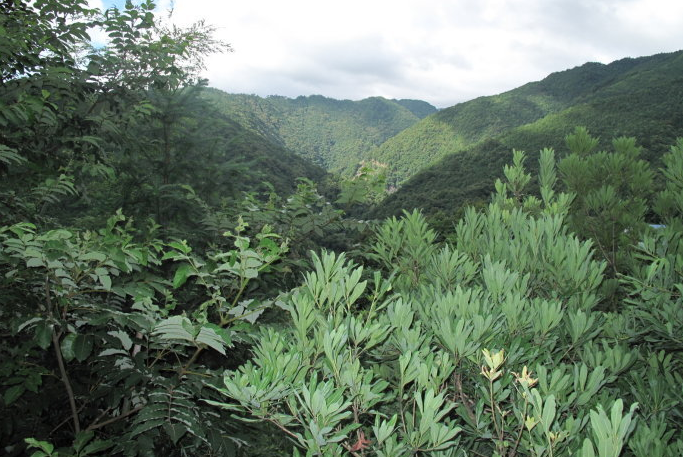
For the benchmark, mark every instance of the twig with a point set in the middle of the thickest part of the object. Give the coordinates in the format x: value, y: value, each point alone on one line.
x: 463, y: 398
x: 95, y: 426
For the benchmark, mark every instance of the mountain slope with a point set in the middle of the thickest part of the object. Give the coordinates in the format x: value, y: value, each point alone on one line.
x: 334, y: 134
x: 631, y: 97
x: 266, y: 160
x: 463, y: 125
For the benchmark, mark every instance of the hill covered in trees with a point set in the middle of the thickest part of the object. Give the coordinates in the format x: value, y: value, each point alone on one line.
x: 470, y: 142
x: 334, y: 134
x: 157, y: 298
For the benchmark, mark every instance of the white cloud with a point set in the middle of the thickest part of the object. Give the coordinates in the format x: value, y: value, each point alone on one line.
x: 442, y: 51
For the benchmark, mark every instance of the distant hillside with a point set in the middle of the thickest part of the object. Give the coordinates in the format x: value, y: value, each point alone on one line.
x: 461, y: 126
x: 631, y: 97
x: 265, y: 160
x: 334, y: 134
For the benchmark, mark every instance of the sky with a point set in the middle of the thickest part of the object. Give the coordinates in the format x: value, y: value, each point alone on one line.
x: 441, y: 51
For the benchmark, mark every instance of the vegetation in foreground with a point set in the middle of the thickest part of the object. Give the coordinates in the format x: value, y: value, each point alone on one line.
x: 216, y: 323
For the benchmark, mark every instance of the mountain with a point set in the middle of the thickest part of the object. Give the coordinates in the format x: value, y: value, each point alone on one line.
x: 461, y: 126
x: 334, y: 134
x: 266, y: 160
x: 466, y: 146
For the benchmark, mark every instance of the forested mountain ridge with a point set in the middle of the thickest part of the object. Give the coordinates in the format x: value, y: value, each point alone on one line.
x: 334, y: 134
x: 461, y: 126
x: 638, y: 98
x: 154, y: 301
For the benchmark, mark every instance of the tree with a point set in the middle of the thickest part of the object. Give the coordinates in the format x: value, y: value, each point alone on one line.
x: 612, y: 190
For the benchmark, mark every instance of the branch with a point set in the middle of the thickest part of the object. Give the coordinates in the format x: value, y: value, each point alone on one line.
x: 60, y: 362
x: 463, y: 398
x: 95, y: 426
x: 67, y: 383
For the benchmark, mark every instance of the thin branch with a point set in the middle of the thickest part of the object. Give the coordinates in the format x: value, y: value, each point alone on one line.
x: 67, y: 383
x: 62, y: 367
x: 463, y: 398
x: 95, y: 426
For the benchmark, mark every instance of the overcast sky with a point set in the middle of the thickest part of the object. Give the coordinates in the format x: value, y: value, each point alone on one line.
x: 441, y: 51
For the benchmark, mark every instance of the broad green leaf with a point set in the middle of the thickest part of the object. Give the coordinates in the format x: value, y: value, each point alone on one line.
x: 34, y: 262
x: 209, y: 337
x: 126, y: 342
x: 181, y: 246
x: 105, y: 281
x: 181, y: 275
x: 82, y: 347
x: 175, y: 431
x: 97, y: 256
x: 82, y: 438
x: 43, y: 334
x: 174, y: 328
x: 67, y: 347
x: 13, y: 393
x: 42, y: 445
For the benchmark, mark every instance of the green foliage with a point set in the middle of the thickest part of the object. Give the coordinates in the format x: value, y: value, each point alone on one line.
x: 367, y: 186
x: 419, y: 375
x: 124, y: 343
x: 205, y: 331
x: 453, y: 157
x: 334, y: 134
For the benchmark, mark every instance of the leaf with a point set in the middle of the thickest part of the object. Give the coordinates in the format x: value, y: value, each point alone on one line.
x: 82, y: 438
x: 175, y: 431
x: 107, y: 352
x: 67, y: 347
x: 42, y: 445
x: 209, y: 337
x: 97, y: 446
x: 43, y: 334
x: 126, y: 342
x: 34, y: 262
x: 548, y: 412
x: 174, y: 328
x: 82, y: 347
x: 106, y: 282
x: 181, y: 246
x: 181, y: 275
x: 96, y: 256
x: 13, y: 393
x: 25, y: 324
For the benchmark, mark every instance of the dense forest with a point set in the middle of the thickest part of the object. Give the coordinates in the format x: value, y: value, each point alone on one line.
x: 469, y: 143
x: 181, y: 273
x: 334, y: 134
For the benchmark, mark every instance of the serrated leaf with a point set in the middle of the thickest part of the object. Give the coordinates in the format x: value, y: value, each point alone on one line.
x: 182, y: 247
x: 97, y: 446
